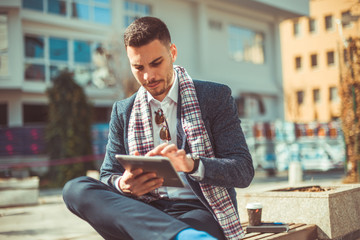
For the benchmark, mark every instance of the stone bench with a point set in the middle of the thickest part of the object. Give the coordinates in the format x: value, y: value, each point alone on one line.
x: 18, y: 192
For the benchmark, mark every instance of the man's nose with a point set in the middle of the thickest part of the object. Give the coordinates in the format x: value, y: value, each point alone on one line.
x: 149, y: 75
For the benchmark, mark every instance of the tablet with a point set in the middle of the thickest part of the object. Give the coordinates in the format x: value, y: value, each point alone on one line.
x: 162, y: 166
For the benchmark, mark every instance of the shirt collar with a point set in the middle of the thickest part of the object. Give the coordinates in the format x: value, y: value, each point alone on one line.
x: 172, y: 94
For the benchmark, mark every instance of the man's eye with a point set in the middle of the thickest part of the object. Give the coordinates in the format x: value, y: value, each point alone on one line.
x: 139, y: 68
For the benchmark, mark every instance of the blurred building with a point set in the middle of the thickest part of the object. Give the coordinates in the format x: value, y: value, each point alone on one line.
x: 232, y: 42
x: 313, y: 58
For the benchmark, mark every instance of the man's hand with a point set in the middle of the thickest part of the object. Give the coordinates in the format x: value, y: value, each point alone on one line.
x: 177, y: 156
x: 138, y: 183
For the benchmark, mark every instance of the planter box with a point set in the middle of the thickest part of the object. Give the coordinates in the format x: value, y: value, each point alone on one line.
x: 336, y: 212
x: 15, y: 192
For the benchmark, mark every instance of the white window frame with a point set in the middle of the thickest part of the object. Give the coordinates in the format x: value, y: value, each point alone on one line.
x: 47, y: 62
x: 4, y: 52
x: 232, y: 38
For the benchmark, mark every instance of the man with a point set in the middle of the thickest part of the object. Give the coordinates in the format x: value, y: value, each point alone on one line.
x: 193, y: 123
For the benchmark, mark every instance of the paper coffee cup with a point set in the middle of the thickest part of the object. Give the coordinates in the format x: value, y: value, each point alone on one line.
x: 254, y: 213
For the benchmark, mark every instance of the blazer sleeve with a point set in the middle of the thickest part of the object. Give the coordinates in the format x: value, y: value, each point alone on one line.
x: 232, y: 165
x: 111, y: 168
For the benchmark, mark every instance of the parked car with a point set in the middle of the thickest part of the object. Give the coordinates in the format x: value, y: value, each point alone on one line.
x: 314, y: 154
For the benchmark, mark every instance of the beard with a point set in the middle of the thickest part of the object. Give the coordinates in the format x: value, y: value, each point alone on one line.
x: 167, y: 83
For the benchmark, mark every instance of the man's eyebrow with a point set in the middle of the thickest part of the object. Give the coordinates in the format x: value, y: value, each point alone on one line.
x: 152, y: 62
x: 156, y: 59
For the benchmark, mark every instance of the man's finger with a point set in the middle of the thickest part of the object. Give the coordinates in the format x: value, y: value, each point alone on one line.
x: 148, y: 186
x: 172, y: 148
x: 145, y: 177
x: 181, y: 152
x: 156, y: 151
x: 133, y: 173
x: 141, y: 183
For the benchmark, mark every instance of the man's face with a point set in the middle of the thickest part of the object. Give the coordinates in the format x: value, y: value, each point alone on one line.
x: 152, y: 66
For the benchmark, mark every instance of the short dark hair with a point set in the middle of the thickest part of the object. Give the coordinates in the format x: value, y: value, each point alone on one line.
x: 144, y: 30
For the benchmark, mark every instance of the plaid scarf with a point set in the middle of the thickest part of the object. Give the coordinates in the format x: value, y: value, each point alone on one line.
x: 141, y: 139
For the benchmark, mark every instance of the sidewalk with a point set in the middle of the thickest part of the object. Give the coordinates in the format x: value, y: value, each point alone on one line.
x: 51, y: 220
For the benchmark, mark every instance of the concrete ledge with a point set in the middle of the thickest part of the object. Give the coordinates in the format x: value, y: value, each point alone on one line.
x: 16, y: 192
x: 336, y: 212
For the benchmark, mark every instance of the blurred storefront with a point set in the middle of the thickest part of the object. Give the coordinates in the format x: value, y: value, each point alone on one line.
x: 318, y: 146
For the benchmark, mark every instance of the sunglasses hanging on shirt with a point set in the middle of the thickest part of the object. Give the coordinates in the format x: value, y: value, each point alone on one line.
x: 160, y: 119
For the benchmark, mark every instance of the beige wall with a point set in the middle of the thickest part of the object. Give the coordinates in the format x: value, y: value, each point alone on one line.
x: 321, y: 77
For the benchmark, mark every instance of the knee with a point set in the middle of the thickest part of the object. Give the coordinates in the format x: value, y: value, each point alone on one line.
x: 75, y: 190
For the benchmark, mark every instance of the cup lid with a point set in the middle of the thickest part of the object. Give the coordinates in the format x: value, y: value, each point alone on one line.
x: 253, y: 205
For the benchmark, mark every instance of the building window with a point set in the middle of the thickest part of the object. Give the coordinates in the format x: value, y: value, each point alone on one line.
x: 312, y: 25
x: 313, y: 60
x: 59, y: 56
x: 82, y: 51
x: 58, y: 49
x: 346, y: 19
x: 34, y: 114
x: 35, y: 58
x: 246, y: 45
x: 33, y: 4
x: 298, y: 63
x: 329, y: 22
x: 102, y: 15
x: 296, y: 28
x: 4, y: 46
x: 300, y: 97
x: 92, y: 10
x: 35, y: 72
x: 316, y: 95
x: 80, y: 11
x: 133, y: 11
x: 330, y: 58
x: 57, y: 7
x: 98, y: 11
x: 82, y: 58
x: 46, y: 57
x: 3, y: 115
x: 333, y: 94
x: 34, y: 47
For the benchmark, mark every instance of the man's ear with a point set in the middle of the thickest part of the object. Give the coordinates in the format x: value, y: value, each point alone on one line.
x: 173, y: 52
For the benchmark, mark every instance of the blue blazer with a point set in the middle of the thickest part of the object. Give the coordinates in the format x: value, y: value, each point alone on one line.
x: 232, y: 166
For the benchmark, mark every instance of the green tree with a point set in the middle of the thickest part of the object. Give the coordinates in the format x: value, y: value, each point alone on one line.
x: 68, y: 133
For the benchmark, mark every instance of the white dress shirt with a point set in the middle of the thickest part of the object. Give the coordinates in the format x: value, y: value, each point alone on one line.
x: 169, y: 107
